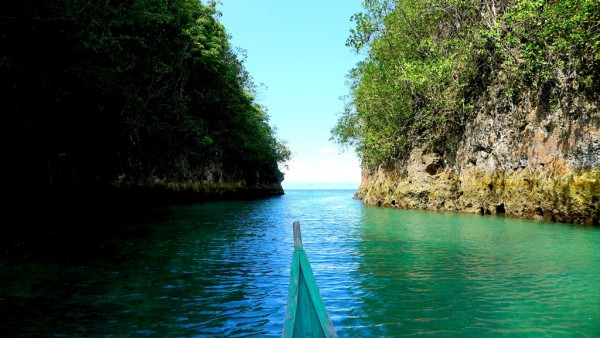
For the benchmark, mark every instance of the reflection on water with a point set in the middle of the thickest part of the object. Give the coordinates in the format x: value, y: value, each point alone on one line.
x: 443, y: 274
x: 221, y: 269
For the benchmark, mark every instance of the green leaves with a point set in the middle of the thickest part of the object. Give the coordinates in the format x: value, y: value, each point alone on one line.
x: 551, y: 35
x: 409, y: 83
x: 136, y: 90
x: 428, y: 60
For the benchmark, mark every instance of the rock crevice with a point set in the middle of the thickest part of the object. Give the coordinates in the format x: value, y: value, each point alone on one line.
x: 535, y: 155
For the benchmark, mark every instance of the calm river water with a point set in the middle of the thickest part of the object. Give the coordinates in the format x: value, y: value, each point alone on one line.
x: 221, y: 270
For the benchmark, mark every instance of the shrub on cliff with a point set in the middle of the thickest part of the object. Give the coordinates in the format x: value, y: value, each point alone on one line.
x: 429, y: 60
x: 126, y: 91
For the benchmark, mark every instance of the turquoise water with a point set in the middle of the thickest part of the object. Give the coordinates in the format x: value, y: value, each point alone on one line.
x: 221, y: 270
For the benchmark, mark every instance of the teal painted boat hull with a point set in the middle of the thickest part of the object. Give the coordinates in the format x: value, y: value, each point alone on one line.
x: 306, y: 315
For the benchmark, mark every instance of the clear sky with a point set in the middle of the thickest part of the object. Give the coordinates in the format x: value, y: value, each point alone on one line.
x: 297, y: 57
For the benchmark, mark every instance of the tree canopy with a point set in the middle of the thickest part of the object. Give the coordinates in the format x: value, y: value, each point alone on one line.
x: 124, y: 92
x: 428, y: 60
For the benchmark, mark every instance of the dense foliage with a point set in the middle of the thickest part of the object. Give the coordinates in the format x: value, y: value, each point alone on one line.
x: 105, y: 92
x: 429, y: 60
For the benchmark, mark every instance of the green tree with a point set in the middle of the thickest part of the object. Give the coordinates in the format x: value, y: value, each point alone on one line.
x: 429, y: 60
x: 409, y: 84
x: 113, y: 92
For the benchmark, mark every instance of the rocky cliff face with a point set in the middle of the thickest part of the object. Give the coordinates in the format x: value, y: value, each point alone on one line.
x: 535, y: 154
x: 213, y: 181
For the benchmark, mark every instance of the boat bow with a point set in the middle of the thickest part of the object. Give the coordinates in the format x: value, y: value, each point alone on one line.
x: 306, y: 315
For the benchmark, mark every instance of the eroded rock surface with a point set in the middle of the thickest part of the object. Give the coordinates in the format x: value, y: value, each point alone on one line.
x: 531, y: 156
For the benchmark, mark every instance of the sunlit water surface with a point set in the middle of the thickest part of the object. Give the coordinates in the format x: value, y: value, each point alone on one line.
x: 221, y: 269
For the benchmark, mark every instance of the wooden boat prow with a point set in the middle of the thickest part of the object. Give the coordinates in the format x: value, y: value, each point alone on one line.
x: 306, y: 315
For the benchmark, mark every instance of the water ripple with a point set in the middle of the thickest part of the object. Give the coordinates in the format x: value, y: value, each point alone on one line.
x: 222, y: 269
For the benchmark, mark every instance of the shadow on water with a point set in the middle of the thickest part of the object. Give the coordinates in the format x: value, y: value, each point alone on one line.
x: 111, y: 266
x: 66, y: 230
x: 114, y: 267
x: 47, y: 246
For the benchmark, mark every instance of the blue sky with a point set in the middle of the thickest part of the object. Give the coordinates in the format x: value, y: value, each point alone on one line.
x: 296, y: 54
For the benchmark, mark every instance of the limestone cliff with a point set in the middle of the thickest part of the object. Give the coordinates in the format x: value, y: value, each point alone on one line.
x: 213, y: 181
x: 535, y: 155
